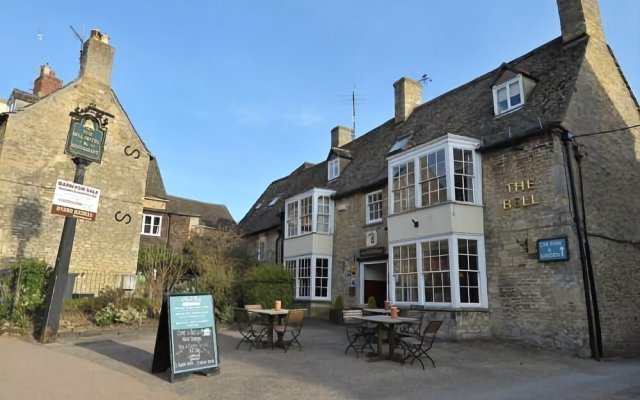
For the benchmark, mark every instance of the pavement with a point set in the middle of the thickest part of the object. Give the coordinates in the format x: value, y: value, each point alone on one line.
x: 116, y: 364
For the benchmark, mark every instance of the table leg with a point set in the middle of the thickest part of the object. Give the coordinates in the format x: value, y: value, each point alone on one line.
x: 379, y: 355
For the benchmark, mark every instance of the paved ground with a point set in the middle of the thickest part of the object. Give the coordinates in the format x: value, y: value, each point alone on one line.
x: 114, y: 366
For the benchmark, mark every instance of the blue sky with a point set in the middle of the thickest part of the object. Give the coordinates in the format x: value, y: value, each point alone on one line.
x: 231, y: 95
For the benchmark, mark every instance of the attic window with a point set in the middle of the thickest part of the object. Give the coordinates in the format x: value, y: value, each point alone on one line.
x: 274, y: 201
x: 259, y: 205
x: 334, y: 168
x: 400, y: 144
x: 508, y: 95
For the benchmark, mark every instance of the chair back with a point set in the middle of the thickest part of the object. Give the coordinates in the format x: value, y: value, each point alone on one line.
x: 351, y: 316
x: 294, y: 319
x: 429, y: 332
x: 253, y: 307
x: 242, y: 318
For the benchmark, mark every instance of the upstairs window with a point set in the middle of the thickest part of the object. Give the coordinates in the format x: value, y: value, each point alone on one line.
x: 508, y: 96
x: 308, y: 213
x: 262, y: 248
x: 403, y: 187
x: 374, y: 207
x: 151, y: 225
x: 334, y: 168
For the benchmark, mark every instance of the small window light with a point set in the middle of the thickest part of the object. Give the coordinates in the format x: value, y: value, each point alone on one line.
x: 400, y: 144
x: 259, y: 205
x: 274, y: 201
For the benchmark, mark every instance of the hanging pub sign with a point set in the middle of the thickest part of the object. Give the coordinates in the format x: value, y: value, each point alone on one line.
x: 186, y: 340
x: 554, y: 249
x: 87, y: 133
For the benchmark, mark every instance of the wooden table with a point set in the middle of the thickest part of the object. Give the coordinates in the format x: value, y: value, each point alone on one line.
x: 271, y: 313
x: 383, y: 320
x: 376, y: 310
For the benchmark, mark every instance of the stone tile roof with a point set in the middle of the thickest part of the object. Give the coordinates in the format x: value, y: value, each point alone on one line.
x: 466, y: 111
x: 155, y: 185
x: 211, y: 215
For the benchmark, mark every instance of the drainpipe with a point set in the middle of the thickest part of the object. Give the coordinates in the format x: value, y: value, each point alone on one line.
x: 595, y: 338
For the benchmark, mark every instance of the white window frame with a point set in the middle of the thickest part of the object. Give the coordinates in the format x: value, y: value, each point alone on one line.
x: 262, y: 247
x: 154, y: 218
x: 453, y: 271
x: 333, y: 167
x: 294, y: 225
x: 506, y: 86
x: 448, y: 142
x: 292, y: 264
x: 369, y: 204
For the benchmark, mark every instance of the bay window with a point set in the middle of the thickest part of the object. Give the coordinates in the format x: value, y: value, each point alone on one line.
x: 311, y: 212
x: 311, y: 277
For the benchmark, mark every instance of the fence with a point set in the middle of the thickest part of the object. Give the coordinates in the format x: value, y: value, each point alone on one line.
x: 90, y: 283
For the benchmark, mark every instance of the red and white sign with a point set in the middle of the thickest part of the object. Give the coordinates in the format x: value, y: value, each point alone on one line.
x: 75, y: 200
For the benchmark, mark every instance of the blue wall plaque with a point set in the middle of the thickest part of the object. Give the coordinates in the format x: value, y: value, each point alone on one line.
x: 554, y: 249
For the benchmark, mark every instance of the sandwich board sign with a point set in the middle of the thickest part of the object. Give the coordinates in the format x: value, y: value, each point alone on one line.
x: 186, y: 340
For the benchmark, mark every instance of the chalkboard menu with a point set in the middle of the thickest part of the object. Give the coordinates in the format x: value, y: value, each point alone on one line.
x: 186, y: 339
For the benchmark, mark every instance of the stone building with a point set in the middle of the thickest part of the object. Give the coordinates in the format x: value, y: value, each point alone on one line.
x: 34, y: 132
x: 501, y: 207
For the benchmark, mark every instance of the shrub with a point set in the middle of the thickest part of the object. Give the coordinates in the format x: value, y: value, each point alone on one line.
x: 106, y: 316
x: 371, y: 303
x: 338, y: 303
x: 129, y: 316
x: 265, y: 283
x: 27, y: 289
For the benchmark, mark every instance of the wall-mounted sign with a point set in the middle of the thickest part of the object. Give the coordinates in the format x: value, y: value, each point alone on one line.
x: 521, y: 196
x: 371, y: 238
x: 75, y: 200
x: 87, y: 133
x: 554, y: 249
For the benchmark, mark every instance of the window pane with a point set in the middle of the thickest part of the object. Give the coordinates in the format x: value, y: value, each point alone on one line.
x: 502, y: 100
x: 435, y: 268
x: 514, y: 94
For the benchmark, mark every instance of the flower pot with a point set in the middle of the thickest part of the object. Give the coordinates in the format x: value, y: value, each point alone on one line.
x: 278, y: 305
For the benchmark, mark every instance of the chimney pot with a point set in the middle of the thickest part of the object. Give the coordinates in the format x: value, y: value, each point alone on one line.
x: 47, y: 82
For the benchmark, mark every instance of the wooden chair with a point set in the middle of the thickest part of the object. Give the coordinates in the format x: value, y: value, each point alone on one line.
x: 359, y: 334
x: 251, y: 333
x: 292, y: 327
x: 419, y: 346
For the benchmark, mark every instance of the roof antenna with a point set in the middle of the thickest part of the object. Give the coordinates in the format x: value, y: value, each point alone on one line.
x: 354, y: 99
x: 424, y: 80
x: 80, y: 38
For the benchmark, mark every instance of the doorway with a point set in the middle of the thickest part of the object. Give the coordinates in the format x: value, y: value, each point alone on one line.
x: 374, y: 282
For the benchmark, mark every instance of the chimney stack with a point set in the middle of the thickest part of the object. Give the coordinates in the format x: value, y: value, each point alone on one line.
x: 408, y: 95
x: 47, y: 82
x: 340, y: 136
x: 579, y: 17
x: 97, y: 58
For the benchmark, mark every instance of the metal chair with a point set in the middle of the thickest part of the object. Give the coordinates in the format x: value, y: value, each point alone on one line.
x: 251, y: 333
x: 419, y: 346
x: 357, y: 331
x: 292, y: 326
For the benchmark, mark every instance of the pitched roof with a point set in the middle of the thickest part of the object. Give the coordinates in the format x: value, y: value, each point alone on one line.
x: 466, y: 111
x: 265, y: 212
x: 155, y: 185
x: 211, y: 215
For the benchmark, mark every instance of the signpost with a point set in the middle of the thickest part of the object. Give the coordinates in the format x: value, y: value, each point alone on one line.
x: 186, y: 339
x: 85, y: 144
x: 554, y: 249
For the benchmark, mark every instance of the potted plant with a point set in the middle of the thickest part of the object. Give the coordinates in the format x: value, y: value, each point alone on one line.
x: 335, y: 312
x: 371, y: 302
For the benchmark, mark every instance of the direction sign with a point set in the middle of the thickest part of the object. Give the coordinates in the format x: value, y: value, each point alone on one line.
x: 554, y: 249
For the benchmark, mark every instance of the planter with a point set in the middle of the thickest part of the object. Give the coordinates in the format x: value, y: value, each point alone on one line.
x: 335, y: 315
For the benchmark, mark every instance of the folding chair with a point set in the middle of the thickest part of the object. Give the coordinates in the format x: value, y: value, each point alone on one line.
x: 357, y: 331
x: 251, y: 333
x: 292, y: 326
x: 418, y: 347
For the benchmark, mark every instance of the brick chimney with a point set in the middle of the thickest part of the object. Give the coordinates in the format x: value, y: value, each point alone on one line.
x: 340, y: 136
x: 579, y: 17
x: 408, y: 95
x: 97, y: 58
x: 47, y: 82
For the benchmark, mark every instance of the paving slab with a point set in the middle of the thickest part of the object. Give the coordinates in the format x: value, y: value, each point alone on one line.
x: 114, y: 363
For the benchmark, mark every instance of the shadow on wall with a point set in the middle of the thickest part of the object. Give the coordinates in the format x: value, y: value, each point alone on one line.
x: 26, y: 222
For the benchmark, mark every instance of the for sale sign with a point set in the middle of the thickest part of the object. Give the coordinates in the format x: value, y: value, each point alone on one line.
x: 76, y: 201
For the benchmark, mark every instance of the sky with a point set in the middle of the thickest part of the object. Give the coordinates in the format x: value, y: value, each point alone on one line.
x: 232, y: 95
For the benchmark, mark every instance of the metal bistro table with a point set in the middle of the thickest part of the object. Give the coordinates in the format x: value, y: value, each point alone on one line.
x: 272, y: 313
x: 383, y: 320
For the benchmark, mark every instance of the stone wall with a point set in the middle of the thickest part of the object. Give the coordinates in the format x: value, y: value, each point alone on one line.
x: 533, y: 302
x: 611, y: 176
x: 31, y: 160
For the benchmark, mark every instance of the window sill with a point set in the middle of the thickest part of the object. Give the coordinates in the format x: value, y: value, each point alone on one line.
x: 371, y: 223
x: 512, y: 110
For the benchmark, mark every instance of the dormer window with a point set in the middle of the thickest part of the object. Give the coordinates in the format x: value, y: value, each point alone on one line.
x: 334, y: 168
x: 508, y: 95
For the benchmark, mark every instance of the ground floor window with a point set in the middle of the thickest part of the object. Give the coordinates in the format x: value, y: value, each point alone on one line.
x: 151, y: 224
x: 445, y: 271
x: 310, y: 283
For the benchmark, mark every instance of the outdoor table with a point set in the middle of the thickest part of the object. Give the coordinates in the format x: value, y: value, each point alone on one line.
x: 376, y: 310
x: 271, y: 313
x: 381, y: 321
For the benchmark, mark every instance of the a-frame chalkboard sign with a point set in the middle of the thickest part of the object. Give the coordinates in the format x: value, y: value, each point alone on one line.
x: 187, y: 339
